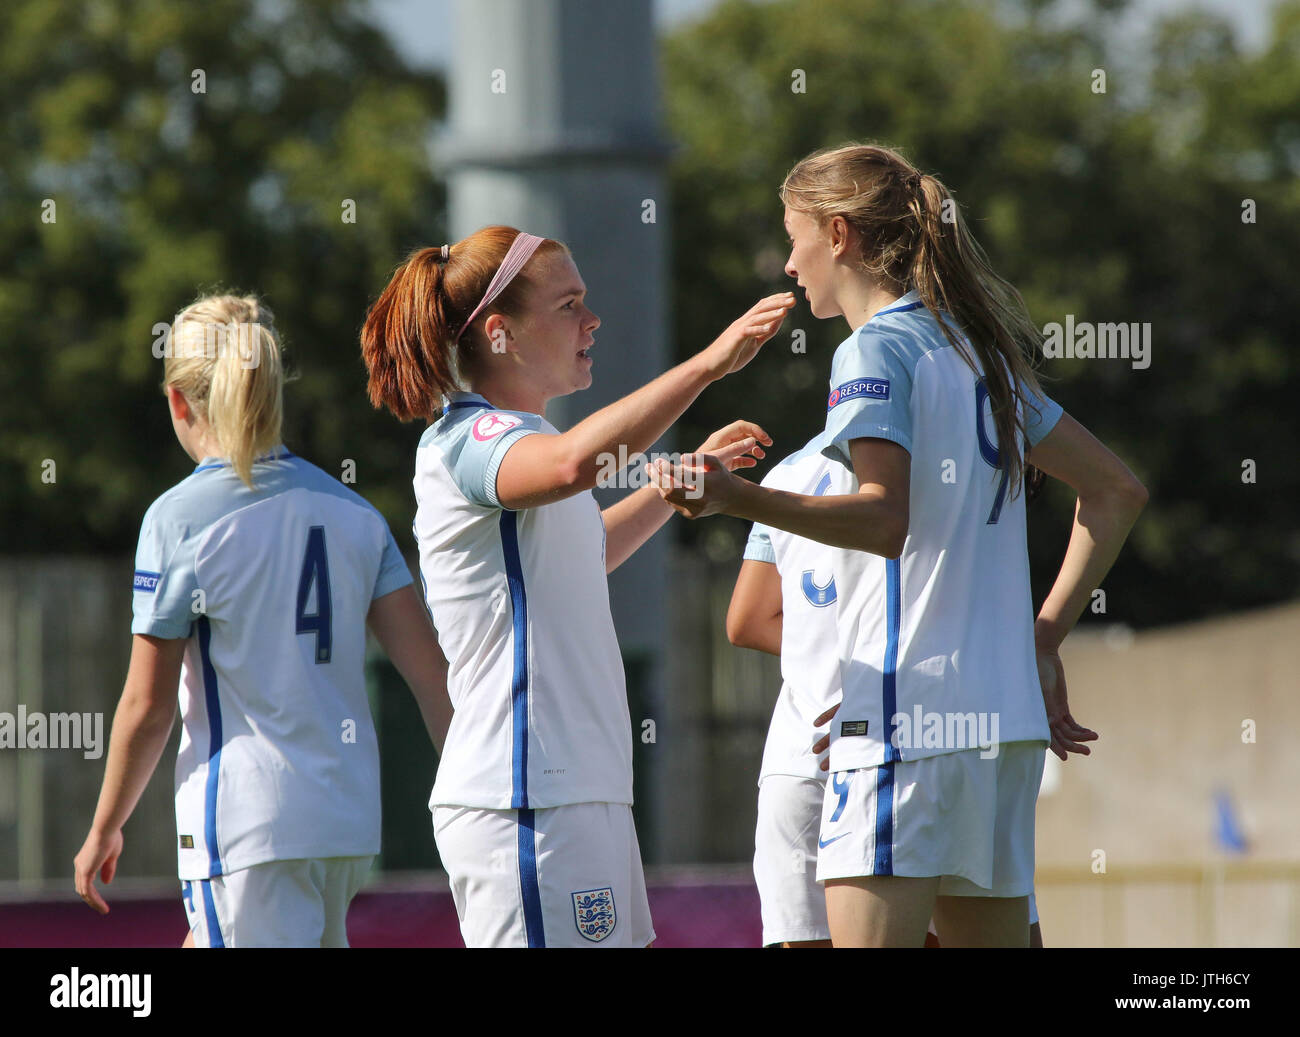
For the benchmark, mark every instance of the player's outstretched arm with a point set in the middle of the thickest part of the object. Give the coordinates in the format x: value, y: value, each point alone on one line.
x: 541, y: 469
x: 875, y: 519
x: 638, y: 516
x: 401, y: 624
x: 1109, y: 502
x: 143, y: 721
x: 754, y: 617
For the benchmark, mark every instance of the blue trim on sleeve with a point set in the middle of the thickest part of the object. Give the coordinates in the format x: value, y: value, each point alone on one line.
x: 499, y: 451
x: 528, y: 885
x: 213, y: 702
x: 519, y: 679
x: 210, y: 914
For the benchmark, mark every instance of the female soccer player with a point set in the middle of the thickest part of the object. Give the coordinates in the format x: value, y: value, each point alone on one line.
x: 784, y: 604
x: 255, y: 579
x: 532, y: 803
x: 936, y: 409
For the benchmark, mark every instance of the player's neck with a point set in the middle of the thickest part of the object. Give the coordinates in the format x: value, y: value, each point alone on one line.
x: 524, y: 398
x: 860, y: 300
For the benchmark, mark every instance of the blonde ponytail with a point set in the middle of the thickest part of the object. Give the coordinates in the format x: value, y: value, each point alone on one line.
x: 914, y: 236
x: 225, y: 358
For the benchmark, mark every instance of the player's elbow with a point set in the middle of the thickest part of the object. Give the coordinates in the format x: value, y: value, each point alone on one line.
x: 568, y: 474
x: 737, y: 628
x: 888, y: 535
x: 1133, y: 494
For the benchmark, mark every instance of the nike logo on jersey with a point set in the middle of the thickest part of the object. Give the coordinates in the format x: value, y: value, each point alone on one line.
x: 823, y: 843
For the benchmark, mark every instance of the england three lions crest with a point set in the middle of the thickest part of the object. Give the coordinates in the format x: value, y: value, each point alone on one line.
x: 593, y: 913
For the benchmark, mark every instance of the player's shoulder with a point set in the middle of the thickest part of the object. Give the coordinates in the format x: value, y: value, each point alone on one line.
x: 901, y: 334
x: 469, y: 420
x: 301, y: 473
x: 194, y: 503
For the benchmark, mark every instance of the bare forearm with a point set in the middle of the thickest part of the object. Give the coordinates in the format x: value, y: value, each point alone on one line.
x: 135, y: 746
x: 857, y: 522
x: 1101, y: 525
x: 401, y: 624
x: 435, y: 707
x: 633, y: 423
x: 631, y: 522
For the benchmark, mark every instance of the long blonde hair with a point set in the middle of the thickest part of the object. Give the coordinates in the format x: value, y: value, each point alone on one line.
x: 224, y: 355
x: 913, y: 236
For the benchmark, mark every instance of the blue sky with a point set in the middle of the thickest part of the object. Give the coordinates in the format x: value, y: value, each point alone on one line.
x: 420, y: 28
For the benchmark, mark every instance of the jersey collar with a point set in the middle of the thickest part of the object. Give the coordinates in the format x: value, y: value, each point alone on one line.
x: 277, y: 453
x: 463, y: 400
x: 910, y: 301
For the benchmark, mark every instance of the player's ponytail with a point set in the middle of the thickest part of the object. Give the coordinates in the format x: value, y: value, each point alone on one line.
x: 914, y: 236
x: 225, y: 358
x: 413, y: 342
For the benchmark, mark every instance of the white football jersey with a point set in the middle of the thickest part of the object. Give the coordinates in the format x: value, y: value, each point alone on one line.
x: 948, y: 662
x: 278, y: 758
x: 810, y: 665
x: 521, y: 603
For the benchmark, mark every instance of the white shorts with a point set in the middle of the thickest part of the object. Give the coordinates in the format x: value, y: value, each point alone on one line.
x: 297, y: 903
x: 792, y: 901
x: 966, y: 819
x: 565, y: 876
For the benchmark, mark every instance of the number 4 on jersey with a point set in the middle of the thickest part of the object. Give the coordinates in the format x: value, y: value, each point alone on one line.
x: 989, y: 451
x: 315, y: 568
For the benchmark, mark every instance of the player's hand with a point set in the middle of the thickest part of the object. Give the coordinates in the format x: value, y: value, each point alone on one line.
x: 736, y: 346
x: 98, y: 855
x: 1067, y: 733
x: 737, y: 432
x: 702, y: 484
x: 824, y: 742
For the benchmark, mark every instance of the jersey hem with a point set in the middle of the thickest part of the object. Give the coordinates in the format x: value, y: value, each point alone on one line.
x: 533, y: 804
x: 878, y: 760
x: 871, y: 430
x: 239, y: 863
x: 154, y: 627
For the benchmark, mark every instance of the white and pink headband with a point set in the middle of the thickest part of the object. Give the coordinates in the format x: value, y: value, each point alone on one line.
x: 521, y: 250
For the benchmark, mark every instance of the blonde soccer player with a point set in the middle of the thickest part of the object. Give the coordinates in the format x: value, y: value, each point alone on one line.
x: 255, y: 579
x: 952, y: 689
x: 532, y: 802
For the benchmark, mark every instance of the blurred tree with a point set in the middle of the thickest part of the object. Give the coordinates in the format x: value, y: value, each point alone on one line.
x: 187, y: 147
x: 1123, y: 206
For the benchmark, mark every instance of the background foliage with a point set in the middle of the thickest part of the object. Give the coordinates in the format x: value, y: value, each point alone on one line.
x: 1123, y: 206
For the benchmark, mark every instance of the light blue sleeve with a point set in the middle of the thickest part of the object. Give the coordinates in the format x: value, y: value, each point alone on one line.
x: 758, y: 548
x: 393, y: 573
x: 480, y: 445
x: 163, y: 602
x: 1041, y: 415
x: 871, y: 393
